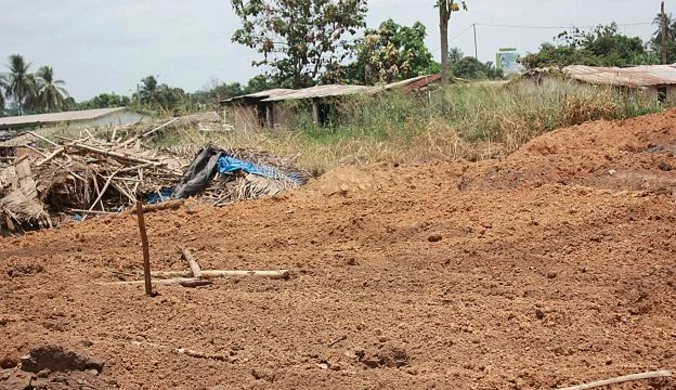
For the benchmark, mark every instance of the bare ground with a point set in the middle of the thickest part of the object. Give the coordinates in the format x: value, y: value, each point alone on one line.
x: 553, y: 267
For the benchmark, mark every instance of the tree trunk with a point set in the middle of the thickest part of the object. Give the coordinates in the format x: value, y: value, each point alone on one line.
x: 443, y: 27
x: 665, y: 41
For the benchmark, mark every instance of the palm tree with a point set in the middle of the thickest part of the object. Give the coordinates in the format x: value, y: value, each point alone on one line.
x: 51, y: 93
x: 454, y: 55
x: 21, y: 84
x: 150, y: 92
x: 3, y: 89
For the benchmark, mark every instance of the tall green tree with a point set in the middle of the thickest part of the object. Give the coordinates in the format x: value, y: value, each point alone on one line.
x: 656, y: 41
x: 106, y: 100
x: 446, y: 9
x: 149, y: 93
x: 472, y: 69
x: 21, y: 88
x: 156, y: 96
x: 299, y: 39
x: 391, y: 52
x: 51, y: 92
x: 603, y: 46
x: 454, y: 56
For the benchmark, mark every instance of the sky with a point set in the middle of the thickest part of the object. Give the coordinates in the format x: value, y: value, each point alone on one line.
x: 109, y: 46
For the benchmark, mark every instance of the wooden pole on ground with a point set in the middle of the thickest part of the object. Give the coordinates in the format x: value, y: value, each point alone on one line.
x: 146, y: 250
x: 621, y: 379
x: 214, y: 274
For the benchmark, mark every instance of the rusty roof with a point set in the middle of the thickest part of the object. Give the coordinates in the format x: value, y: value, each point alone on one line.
x: 414, y: 83
x: 259, y: 95
x: 58, y: 117
x: 634, y: 77
x: 320, y: 91
x: 333, y: 90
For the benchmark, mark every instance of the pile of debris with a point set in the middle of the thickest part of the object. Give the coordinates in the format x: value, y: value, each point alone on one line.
x: 41, y: 186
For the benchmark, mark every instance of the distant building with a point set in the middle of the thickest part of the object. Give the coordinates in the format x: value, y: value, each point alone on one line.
x: 656, y: 82
x: 102, y: 117
x: 266, y: 109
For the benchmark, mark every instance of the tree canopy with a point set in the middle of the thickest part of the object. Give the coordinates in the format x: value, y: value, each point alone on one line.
x: 30, y: 92
x: 300, y: 40
x: 470, y: 68
x: 602, y: 46
x: 391, y: 52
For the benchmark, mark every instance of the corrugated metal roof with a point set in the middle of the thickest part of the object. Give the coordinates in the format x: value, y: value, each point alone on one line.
x: 633, y: 77
x: 320, y: 91
x: 333, y: 90
x: 270, y: 93
x: 414, y: 83
x: 69, y: 116
x: 259, y: 95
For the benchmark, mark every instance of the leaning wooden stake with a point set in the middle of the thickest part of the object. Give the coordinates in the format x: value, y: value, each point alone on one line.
x: 194, y: 267
x: 146, y: 250
x: 621, y: 379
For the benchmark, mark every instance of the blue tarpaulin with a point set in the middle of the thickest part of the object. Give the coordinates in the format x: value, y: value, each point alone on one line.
x: 211, y: 161
x: 227, y: 164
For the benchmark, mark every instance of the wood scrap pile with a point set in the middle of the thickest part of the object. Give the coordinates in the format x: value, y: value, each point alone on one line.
x: 76, y: 179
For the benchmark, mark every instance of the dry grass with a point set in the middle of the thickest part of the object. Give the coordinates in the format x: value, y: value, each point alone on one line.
x: 482, y: 122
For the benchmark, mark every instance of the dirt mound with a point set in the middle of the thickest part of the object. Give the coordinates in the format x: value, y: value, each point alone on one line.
x: 635, y: 154
x: 538, y: 271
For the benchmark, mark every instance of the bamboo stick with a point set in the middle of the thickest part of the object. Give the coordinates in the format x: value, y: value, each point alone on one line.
x: 194, y: 266
x: 214, y: 274
x: 621, y: 379
x: 120, y: 156
x: 103, y: 191
x: 184, y: 282
x: 144, y: 135
x: 93, y: 212
x: 51, y: 156
x: 36, y: 135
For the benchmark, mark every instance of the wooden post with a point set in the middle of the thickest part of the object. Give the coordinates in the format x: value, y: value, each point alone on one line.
x: 269, y: 120
x: 665, y: 41
x: 444, y: 17
x: 476, y: 45
x: 315, y: 112
x: 146, y: 250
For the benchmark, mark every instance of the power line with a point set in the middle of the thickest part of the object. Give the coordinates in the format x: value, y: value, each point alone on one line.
x: 456, y: 37
x: 556, y: 27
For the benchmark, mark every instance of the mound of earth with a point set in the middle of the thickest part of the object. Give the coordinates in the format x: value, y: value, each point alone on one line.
x: 552, y: 267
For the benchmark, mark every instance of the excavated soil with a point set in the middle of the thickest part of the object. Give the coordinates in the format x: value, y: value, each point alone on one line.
x: 555, y: 266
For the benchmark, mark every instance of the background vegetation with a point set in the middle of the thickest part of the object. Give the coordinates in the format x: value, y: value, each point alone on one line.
x: 484, y: 121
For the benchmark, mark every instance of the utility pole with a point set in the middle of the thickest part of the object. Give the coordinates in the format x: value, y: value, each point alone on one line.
x: 476, y: 47
x: 664, y: 36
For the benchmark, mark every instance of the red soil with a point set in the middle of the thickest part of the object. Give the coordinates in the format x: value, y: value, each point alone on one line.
x: 553, y: 267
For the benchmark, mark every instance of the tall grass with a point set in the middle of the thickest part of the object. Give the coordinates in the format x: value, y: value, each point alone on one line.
x: 481, y: 121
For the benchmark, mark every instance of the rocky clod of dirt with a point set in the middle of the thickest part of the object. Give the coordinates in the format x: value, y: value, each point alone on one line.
x: 57, y: 359
x: 388, y: 355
